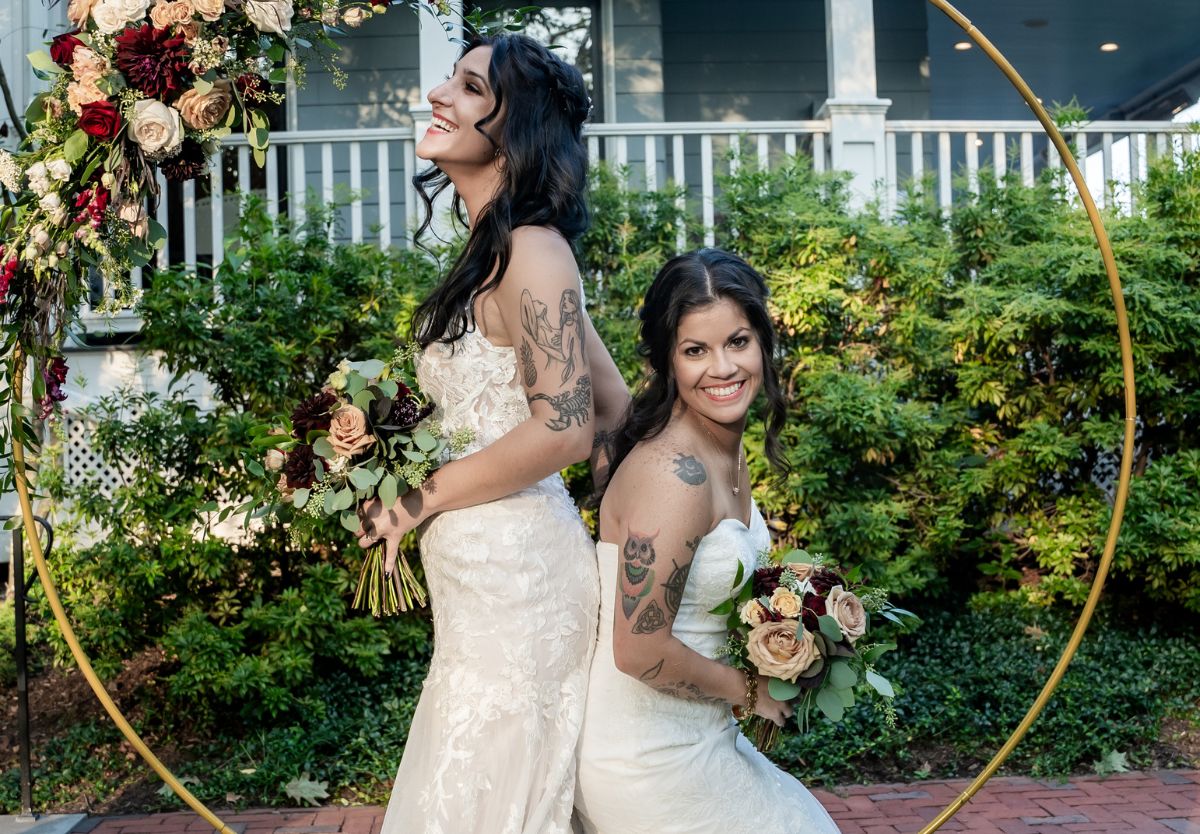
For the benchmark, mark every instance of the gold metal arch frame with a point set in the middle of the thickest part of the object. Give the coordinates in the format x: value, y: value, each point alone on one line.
x: 31, y: 533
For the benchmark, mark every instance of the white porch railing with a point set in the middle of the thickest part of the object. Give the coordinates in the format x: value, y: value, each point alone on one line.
x: 1112, y: 155
x: 379, y: 165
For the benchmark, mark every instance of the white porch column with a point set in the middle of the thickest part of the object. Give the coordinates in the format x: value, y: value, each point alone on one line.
x: 22, y: 24
x: 437, y: 56
x: 856, y: 113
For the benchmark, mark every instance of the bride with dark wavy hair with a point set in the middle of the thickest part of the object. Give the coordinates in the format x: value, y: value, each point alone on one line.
x: 509, y: 353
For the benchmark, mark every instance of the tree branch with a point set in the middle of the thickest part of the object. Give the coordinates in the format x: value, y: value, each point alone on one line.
x: 12, y: 109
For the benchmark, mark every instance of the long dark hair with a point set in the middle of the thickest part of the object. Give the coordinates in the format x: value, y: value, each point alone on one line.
x: 685, y: 283
x: 540, y: 140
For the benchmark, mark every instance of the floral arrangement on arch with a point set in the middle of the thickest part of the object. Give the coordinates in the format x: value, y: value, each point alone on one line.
x: 137, y: 86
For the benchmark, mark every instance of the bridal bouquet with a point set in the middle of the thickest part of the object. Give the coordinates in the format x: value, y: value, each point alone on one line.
x: 368, y: 433
x: 806, y: 626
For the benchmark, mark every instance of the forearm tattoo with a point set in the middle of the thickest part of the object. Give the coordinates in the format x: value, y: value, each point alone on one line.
x: 689, y: 470
x: 561, y: 344
x: 571, y: 407
x: 689, y: 692
x: 652, y: 673
x: 637, y: 575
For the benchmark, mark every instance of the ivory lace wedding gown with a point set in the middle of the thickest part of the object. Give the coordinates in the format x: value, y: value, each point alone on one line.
x: 512, y: 588
x: 655, y: 763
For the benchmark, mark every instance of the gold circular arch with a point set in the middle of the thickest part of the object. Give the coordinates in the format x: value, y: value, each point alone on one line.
x: 19, y: 412
x: 1114, y: 528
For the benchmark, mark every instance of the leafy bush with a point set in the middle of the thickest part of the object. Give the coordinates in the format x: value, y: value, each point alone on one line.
x: 251, y: 617
x: 967, y: 678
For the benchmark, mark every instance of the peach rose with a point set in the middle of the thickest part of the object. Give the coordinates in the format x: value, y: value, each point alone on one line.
x: 284, y: 490
x: 783, y: 649
x: 354, y: 16
x: 78, y: 11
x: 847, y: 609
x: 753, y: 613
x: 801, y: 570
x: 204, y: 110
x: 79, y: 94
x: 785, y: 603
x: 348, y: 431
x: 87, y: 67
x: 210, y: 10
x: 133, y: 212
x: 167, y: 13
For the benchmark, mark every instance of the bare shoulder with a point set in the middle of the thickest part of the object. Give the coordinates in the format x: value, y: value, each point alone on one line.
x: 649, y: 482
x: 543, y: 249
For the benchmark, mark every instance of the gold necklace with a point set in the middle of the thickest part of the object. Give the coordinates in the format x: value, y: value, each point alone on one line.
x: 736, y: 486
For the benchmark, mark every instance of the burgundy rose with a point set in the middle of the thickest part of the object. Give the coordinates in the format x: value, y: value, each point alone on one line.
x: 251, y: 87
x: 300, y: 467
x: 154, y: 61
x: 824, y: 579
x: 62, y: 48
x: 313, y: 414
x: 814, y: 607
x: 100, y: 119
x: 766, y: 580
x: 375, y: 4
x: 188, y: 164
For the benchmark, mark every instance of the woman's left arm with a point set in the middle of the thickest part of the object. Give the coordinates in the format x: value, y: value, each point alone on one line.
x: 612, y: 401
x: 542, y: 312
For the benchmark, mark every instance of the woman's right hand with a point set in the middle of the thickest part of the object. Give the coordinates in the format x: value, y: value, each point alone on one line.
x: 777, y: 712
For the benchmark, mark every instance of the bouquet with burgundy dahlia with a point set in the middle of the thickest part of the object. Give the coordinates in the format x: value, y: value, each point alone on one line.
x: 368, y: 433
x: 806, y: 626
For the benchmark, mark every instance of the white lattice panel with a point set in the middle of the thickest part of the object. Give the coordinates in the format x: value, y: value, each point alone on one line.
x: 82, y: 464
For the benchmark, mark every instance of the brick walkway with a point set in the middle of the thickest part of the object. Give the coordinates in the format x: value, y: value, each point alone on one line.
x: 1161, y: 802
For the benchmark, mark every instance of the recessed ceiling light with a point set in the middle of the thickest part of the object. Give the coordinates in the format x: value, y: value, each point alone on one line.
x: 963, y: 46
x: 1109, y: 46
x: 979, y: 143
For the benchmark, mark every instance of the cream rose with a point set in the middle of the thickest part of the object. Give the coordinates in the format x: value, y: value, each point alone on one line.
x: 166, y: 13
x: 354, y: 16
x: 204, y: 110
x: 59, y: 169
x: 273, y: 460
x: 848, y: 610
x: 52, y: 204
x: 156, y: 128
x: 348, y: 433
x: 270, y: 15
x: 111, y: 16
x: 78, y: 11
x: 782, y: 649
x: 753, y: 613
x: 210, y: 10
x: 785, y: 603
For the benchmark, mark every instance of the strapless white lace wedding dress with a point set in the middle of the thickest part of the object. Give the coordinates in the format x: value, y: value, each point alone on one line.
x: 653, y: 763
x: 513, y: 592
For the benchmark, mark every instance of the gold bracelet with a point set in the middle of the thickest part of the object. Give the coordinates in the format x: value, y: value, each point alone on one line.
x: 742, y: 713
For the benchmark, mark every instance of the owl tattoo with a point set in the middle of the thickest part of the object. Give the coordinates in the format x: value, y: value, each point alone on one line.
x: 637, y: 576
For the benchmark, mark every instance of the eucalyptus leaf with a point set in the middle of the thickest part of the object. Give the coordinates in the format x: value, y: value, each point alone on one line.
x: 388, y: 387
x: 370, y: 368
x: 363, y: 478
x: 322, y: 447
x: 363, y: 399
x: 830, y: 628
x: 425, y: 440
x: 388, y: 489
x: 875, y: 652
x: 830, y: 704
x: 880, y: 684
x: 842, y: 676
x: 300, y: 498
x: 350, y: 520
x: 782, y: 690
x: 343, y: 499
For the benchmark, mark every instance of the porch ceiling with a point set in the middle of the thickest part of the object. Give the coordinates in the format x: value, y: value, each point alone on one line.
x: 1055, y: 45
